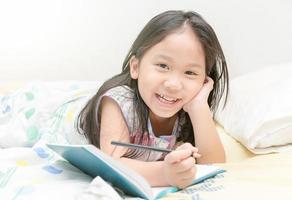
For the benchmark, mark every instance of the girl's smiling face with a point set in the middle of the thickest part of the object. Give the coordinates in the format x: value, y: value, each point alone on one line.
x: 170, y: 73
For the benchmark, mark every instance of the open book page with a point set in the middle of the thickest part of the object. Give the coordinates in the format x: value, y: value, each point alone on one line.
x: 128, y: 173
x: 206, y: 171
x: 94, y: 162
x: 203, y: 172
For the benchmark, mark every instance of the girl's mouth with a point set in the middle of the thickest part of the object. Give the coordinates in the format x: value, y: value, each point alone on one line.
x: 166, y: 99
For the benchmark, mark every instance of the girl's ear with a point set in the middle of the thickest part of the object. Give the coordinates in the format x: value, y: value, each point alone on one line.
x: 134, y: 67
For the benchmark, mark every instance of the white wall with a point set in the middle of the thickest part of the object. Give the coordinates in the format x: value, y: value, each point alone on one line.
x: 88, y: 39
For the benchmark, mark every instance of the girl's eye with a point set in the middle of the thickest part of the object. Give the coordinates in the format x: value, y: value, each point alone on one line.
x: 163, y: 66
x: 190, y: 73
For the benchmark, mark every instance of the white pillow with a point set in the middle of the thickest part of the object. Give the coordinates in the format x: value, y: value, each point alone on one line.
x: 259, y: 109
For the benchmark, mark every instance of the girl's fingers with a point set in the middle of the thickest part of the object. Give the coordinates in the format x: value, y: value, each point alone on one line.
x: 193, y: 149
x: 187, y: 146
x: 186, y: 165
x: 186, y: 177
x: 187, y: 174
x: 196, y: 155
x: 178, y: 155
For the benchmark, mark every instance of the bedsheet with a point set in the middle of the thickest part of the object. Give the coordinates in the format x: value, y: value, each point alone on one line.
x: 38, y: 173
x: 266, y: 177
x: 34, y: 173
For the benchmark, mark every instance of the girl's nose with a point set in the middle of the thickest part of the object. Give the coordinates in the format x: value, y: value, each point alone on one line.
x: 173, y: 83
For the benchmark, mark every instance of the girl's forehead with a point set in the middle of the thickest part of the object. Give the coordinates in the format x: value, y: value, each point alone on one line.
x: 182, y: 44
x: 183, y: 39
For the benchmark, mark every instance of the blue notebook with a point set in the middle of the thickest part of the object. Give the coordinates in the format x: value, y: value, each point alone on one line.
x: 94, y: 162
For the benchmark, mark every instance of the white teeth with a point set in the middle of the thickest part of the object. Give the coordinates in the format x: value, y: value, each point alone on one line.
x: 168, y: 98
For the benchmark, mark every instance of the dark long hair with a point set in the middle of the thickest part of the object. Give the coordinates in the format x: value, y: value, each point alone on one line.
x: 155, y: 31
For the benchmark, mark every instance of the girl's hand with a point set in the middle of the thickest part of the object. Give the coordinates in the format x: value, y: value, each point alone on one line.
x: 179, y: 166
x: 188, y: 145
x: 202, y: 96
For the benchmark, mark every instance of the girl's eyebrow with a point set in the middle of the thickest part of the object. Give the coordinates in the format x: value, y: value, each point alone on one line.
x: 166, y: 57
x: 169, y: 58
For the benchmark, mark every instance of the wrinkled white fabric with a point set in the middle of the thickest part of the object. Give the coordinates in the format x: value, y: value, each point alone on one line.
x: 43, y: 110
x: 259, y: 110
x: 98, y: 189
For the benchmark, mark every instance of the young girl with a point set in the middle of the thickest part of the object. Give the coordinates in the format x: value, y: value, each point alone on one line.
x: 172, y: 79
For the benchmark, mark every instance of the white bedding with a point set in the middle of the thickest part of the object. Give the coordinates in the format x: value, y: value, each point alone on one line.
x: 28, y: 170
x: 259, y: 110
x: 35, y: 173
x: 39, y: 173
x: 266, y: 177
x: 43, y: 110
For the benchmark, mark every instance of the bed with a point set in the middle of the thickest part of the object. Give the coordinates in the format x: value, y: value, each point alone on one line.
x: 255, y: 129
x: 54, y: 41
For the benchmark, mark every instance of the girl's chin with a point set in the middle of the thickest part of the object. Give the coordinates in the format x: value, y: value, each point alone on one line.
x: 165, y: 111
x: 164, y: 114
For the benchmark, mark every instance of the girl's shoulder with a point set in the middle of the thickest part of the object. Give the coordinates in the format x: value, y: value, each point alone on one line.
x: 120, y: 92
x: 124, y: 97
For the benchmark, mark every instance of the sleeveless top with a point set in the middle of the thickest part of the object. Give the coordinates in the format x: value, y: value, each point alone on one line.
x: 124, y: 97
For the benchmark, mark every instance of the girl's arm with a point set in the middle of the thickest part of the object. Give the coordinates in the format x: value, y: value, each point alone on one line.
x: 177, y: 169
x: 206, y: 137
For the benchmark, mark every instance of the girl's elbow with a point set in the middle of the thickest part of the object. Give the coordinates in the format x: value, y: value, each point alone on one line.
x: 212, y: 159
x: 221, y: 158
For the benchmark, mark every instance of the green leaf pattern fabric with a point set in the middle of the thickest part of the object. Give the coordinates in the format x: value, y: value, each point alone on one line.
x: 44, y: 110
